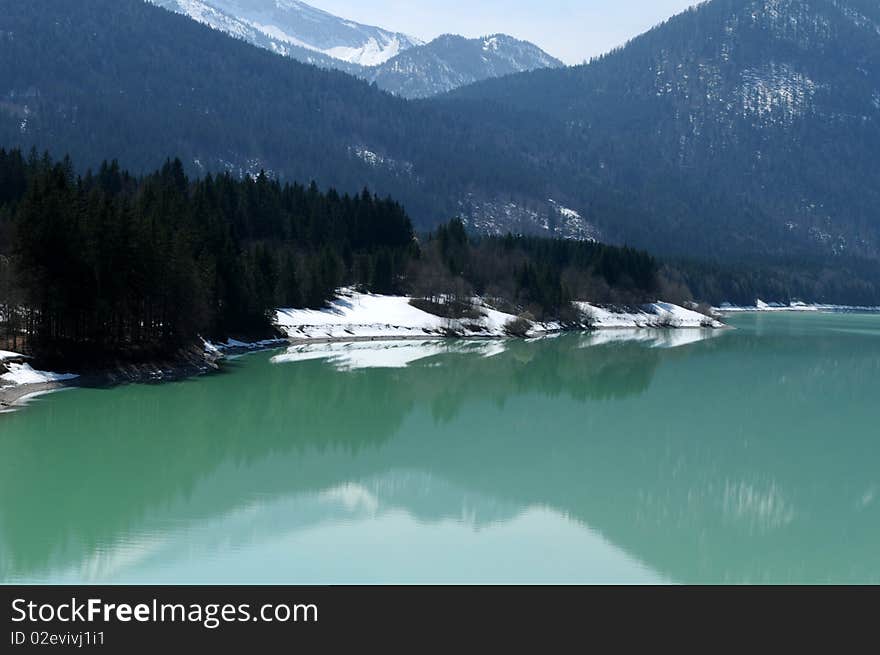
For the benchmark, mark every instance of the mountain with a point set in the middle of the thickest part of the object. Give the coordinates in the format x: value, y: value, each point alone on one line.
x: 290, y: 27
x: 450, y: 62
x: 239, y: 28
x: 740, y: 127
x: 125, y: 79
x: 739, y: 131
x: 397, y: 63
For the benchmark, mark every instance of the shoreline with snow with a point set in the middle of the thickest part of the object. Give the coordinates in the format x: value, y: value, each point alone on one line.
x: 355, y: 316
x: 19, y: 381
x: 352, y: 318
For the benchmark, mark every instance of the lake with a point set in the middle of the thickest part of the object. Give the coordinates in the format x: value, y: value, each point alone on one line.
x: 738, y: 456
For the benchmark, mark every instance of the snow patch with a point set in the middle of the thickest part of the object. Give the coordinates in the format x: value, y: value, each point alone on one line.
x: 857, y: 18
x: 573, y: 223
x: 6, y: 355
x: 376, y: 160
x: 24, y: 122
x: 24, y: 374
x: 776, y: 92
x: 651, y: 315
x: 275, y: 32
x: 371, y: 53
x: 355, y: 316
x: 499, y: 217
x: 298, y: 25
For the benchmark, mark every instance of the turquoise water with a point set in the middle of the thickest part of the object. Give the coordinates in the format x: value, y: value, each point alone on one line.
x: 740, y: 456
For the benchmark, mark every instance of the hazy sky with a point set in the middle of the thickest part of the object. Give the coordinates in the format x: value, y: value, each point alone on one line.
x: 572, y: 30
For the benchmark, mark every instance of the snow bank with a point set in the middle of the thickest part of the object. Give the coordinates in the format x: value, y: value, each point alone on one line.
x: 24, y: 374
x: 652, y: 315
x: 6, y: 355
x: 366, y: 316
x: 358, y: 316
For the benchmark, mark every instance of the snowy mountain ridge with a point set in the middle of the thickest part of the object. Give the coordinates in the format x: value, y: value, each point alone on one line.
x: 400, y: 64
x: 451, y: 61
x: 294, y: 23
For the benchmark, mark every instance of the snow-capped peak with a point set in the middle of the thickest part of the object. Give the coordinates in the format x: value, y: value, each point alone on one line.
x: 396, y: 62
x: 292, y: 23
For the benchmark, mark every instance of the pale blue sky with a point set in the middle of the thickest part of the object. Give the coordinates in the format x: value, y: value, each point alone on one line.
x: 572, y: 30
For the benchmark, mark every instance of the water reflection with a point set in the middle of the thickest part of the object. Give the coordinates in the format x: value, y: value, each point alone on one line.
x: 651, y: 338
x: 750, y: 456
x: 386, y: 354
x: 398, y: 353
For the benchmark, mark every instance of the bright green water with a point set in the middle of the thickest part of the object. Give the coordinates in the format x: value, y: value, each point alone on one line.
x: 752, y: 455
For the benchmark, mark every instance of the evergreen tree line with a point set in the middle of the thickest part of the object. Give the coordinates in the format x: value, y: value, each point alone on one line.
x: 850, y: 281
x: 534, y: 275
x: 108, y: 262
x: 653, y: 143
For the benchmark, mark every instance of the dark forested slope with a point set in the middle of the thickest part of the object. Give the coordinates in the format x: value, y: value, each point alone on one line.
x: 740, y: 130
x: 737, y: 127
x: 124, y: 79
x: 110, y: 263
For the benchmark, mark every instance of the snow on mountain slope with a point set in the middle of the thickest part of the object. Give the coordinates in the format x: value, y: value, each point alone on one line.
x: 769, y: 107
x: 449, y: 62
x: 290, y: 23
x: 203, y: 11
x: 776, y: 89
x: 500, y: 216
x: 397, y: 63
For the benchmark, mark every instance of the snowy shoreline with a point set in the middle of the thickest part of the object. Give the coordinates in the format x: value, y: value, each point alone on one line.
x: 361, y: 316
x: 19, y: 381
x: 352, y: 318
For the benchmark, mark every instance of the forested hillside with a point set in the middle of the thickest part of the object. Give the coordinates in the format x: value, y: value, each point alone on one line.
x: 122, y: 79
x: 112, y: 263
x: 742, y: 135
x: 739, y: 127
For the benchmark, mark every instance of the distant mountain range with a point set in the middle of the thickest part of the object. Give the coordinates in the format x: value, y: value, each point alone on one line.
x: 450, y: 62
x: 397, y: 63
x: 738, y: 130
x: 125, y: 79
